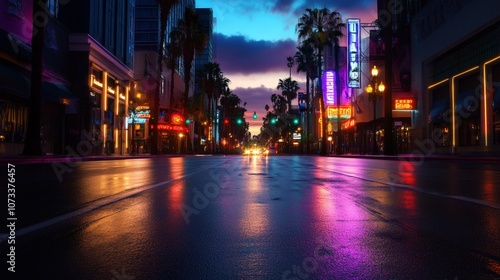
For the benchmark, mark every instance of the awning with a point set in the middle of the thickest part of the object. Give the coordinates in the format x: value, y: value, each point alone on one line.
x: 438, y: 110
x: 14, y: 80
x: 468, y: 101
x: 56, y: 93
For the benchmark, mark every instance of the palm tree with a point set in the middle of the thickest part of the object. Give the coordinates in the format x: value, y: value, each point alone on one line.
x: 321, y: 28
x: 289, y: 63
x: 208, y: 82
x: 174, y: 52
x: 194, y: 41
x: 289, y: 90
x: 279, y: 103
x: 32, y: 144
x: 306, y: 63
x: 165, y: 7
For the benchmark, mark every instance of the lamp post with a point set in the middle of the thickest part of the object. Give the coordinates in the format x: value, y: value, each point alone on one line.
x: 180, y: 143
x: 375, y: 89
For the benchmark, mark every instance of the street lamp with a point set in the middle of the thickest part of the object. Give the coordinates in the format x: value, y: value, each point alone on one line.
x: 180, y: 143
x: 133, y: 113
x: 375, y: 89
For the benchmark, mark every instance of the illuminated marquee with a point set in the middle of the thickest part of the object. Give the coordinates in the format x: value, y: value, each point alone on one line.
x: 353, y: 54
x: 345, y: 112
x: 177, y: 128
x: 329, y: 87
x: 405, y: 104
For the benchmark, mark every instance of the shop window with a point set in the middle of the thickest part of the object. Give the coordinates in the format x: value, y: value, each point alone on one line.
x: 468, y: 109
x: 496, y: 117
x: 440, y: 115
x: 13, y: 121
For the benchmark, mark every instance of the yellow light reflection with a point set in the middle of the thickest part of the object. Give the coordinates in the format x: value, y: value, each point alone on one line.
x: 255, y: 220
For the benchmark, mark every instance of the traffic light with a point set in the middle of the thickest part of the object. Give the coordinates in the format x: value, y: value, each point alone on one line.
x: 296, y: 121
x: 273, y: 120
x: 188, y: 121
x: 254, y: 115
x: 239, y: 121
x: 226, y: 121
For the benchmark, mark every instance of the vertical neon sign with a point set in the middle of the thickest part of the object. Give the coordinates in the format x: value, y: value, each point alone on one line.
x: 329, y: 87
x: 353, y: 55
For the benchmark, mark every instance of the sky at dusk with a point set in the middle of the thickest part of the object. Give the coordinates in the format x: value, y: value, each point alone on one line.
x: 252, y: 40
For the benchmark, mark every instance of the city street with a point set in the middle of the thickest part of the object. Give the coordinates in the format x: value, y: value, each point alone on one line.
x: 255, y: 217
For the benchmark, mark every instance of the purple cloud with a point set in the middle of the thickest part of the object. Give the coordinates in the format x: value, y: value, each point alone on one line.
x: 239, y: 55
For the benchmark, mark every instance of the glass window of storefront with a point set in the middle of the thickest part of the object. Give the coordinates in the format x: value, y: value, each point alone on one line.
x: 440, y: 115
x: 13, y: 121
x: 468, y: 109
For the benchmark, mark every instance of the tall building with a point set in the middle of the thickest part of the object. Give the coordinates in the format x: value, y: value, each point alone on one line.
x: 172, y: 129
x: 205, y: 16
x: 456, y: 74
x: 58, y: 101
x: 101, y: 46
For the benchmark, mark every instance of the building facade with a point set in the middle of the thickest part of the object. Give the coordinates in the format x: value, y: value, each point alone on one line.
x: 203, y: 130
x: 172, y: 131
x: 101, y: 54
x: 457, y: 79
x: 58, y: 100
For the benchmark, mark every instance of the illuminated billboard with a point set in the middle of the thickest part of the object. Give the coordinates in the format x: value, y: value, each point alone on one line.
x: 329, y: 87
x: 405, y: 104
x: 345, y: 112
x: 353, y: 53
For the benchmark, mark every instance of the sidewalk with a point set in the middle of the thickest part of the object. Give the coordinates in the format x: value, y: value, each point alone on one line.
x: 22, y: 159
x: 488, y: 157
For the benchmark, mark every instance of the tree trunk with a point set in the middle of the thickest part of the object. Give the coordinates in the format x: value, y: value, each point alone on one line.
x: 307, y: 128
x: 375, y: 150
x: 33, y: 141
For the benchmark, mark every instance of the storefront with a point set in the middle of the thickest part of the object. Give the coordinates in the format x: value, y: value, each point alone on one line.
x: 464, y: 111
x: 109, y: 109
x: 173, y: 132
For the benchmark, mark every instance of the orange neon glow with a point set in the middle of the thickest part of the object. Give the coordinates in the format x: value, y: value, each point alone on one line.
x: 404, y: 104
x: 345, y: 112
x: 177, y: 119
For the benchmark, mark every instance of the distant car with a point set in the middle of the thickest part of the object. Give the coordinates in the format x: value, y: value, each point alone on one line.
x: 255, y: 151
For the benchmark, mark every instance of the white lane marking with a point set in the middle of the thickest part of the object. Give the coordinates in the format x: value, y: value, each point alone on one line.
x: 96, y: 205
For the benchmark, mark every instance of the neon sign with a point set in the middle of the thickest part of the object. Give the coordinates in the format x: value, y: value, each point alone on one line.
x: 353, y: 55
x: 345, y: 112
x: 177, y: 128
x: 329, y: 87
x: 177, y: 119
x: 349, y: 124
x: 405, y: 104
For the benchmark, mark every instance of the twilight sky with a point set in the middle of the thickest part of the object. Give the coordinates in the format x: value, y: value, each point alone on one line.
x: 252, y: 40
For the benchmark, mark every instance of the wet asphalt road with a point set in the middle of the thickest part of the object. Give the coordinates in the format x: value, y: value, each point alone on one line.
x: 235, y: 217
